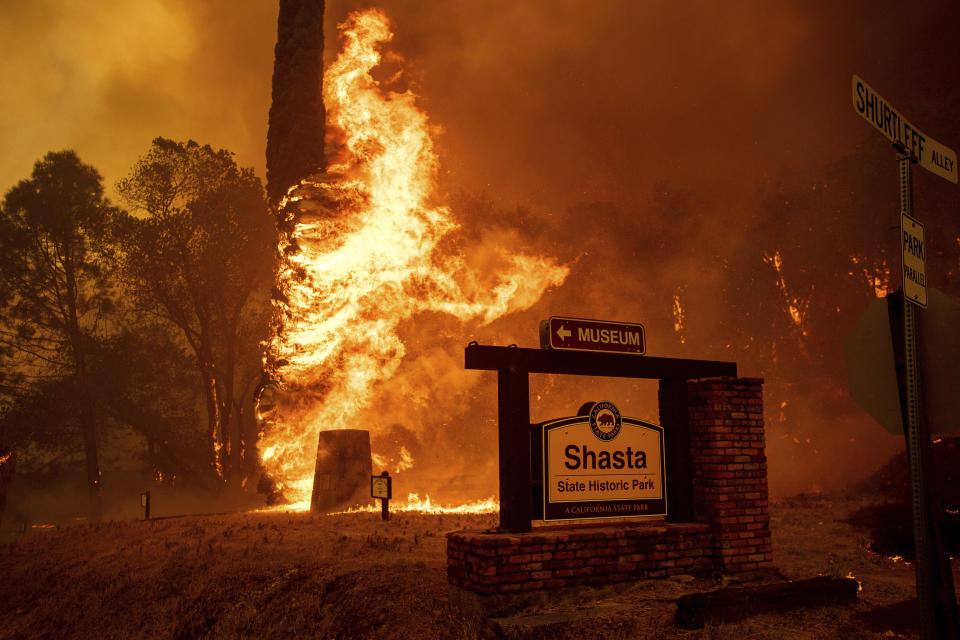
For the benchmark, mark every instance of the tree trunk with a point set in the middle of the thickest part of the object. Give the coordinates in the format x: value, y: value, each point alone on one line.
x: 228, y: 441
x: 8, y: 462
x: 296, y: 122
x: 213, y: 415
x: 88, y: 416
x: 236, y: 446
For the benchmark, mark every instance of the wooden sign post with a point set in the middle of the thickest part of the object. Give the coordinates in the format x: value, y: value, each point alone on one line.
x: 514, y: 366
x: 382, y: 487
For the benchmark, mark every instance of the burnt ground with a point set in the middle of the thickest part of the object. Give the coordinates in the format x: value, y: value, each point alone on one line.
x: 295, y: 575
x: 890, y: 522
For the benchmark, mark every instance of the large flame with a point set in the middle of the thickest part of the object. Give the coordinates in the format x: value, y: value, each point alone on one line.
x: 361, y: 256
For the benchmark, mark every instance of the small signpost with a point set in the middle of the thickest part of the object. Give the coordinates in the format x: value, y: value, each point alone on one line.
x: 145, y: 503
x: 382, y: 487
x: 579, y: 334
x: 602, y: 465
x: 935, y: 590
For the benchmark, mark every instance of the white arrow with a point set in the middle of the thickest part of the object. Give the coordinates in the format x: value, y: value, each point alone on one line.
x: 563, y: 333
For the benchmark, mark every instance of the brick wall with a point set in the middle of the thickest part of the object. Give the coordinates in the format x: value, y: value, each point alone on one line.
x: 731, y: 533
x: 573, y: 555
x: 730, y: 470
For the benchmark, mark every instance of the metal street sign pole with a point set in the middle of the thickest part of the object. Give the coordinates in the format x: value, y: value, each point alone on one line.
x: 918, y: 488
x: 938, y: 602
x: 935, y: 591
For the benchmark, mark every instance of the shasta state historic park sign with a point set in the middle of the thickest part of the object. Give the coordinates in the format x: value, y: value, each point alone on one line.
x: 602, y: 465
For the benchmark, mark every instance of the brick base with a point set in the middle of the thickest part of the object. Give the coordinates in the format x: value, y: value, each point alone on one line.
x: 554, y: 557
x: 731, y: 534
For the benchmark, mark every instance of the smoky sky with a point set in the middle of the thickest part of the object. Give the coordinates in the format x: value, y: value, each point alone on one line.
x: 546, y: 104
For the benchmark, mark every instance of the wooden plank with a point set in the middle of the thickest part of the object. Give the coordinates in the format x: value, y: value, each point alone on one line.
x: 675, y: 420
x: 492, y: 358
x: 730, y: 605
x: 536, y: 470
x: 513, y: 407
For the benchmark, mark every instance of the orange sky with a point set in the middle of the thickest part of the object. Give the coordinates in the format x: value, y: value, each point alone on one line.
x: 541, y: 102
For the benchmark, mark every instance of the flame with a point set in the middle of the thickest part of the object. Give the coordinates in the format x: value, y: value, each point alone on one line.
x: 415, y: 504
x: 796, y: 307
x: 361, y: 255
x: 406, y: 460
x: 859, y: 582
x: 403, y: 463
x: 678, y: 317
x: 877, y: 276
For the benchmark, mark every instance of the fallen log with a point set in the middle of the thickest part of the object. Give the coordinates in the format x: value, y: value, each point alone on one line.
x: 728, y: 605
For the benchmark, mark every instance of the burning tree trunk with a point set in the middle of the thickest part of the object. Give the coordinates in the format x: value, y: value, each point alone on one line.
x: 8, y: 462
x: 361, y: 254
x: 296, y: 127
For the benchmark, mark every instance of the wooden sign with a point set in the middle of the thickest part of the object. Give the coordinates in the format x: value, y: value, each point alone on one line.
x: 602, y: 465
x: 381, y: 486
x: 580, y: 334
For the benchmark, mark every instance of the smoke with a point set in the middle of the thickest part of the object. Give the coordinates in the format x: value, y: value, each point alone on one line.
x: 657, y: 148
x: 105, y: 79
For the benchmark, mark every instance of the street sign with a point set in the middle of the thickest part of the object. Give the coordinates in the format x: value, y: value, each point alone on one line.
x: 913, y: 260
x: 938, y: 601
x: 871, y: 368
x: 579, y: 334
x: 930, y: 154
x: 602, y: 465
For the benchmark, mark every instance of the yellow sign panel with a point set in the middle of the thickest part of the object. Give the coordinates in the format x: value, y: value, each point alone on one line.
x: 914, y: 260
x: 380, y: 487
x: 602, y: 465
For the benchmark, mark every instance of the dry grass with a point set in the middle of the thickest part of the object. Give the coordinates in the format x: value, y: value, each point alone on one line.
x: 277, y: 575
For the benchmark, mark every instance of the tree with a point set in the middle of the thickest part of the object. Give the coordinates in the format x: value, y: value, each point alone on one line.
x: 148, y: 381
x: 53, y: 288
x: 296, y: 129
x: 203, y: 258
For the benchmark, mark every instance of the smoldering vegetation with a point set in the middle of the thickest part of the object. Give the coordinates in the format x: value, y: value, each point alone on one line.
x: 890, y: 521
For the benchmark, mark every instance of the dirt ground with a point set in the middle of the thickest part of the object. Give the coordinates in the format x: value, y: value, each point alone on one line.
x: 295, y: 575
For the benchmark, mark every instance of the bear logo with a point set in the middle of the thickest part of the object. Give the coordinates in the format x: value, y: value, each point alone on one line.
x: 605, y: 420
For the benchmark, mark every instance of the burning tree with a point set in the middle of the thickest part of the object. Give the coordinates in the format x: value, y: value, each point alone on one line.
x: 202, y: 258
x: 364, y: 250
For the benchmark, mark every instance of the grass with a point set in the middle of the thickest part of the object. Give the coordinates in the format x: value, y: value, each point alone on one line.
x: 295, y: 575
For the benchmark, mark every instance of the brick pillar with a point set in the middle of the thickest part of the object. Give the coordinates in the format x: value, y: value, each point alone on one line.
x: 730, y: 470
